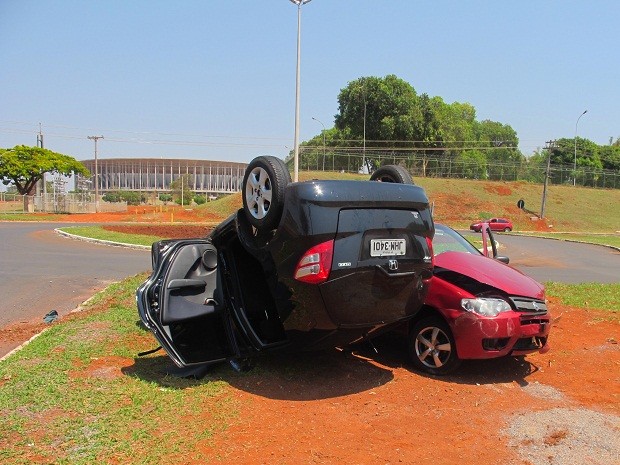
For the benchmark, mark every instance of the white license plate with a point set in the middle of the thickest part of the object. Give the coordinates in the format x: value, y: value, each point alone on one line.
x: 387, y: 247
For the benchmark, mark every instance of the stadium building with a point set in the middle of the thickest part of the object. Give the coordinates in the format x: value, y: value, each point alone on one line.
x: 156, y: 174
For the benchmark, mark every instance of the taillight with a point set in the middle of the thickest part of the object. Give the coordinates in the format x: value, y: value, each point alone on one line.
x: 315, y: 265
x: 429, y: 243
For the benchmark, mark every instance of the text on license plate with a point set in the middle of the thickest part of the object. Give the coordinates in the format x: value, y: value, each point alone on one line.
x: 385, y: 247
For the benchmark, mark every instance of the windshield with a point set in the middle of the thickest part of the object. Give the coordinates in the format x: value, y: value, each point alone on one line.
x: 447, y: 239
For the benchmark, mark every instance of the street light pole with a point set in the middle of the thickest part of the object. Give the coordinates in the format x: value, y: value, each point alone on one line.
x: 96, y: 138
x: 299, y: 4
x: 318, y: 121
x: 575, y: 165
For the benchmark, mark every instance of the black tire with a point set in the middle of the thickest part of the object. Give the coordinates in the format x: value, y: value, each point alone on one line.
x: 264, y: 183
x: 431, y: 346
x: 392, y: 173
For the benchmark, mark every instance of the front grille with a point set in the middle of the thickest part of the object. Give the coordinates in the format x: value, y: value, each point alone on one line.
x: 530, y: 343
x: 527, y: 305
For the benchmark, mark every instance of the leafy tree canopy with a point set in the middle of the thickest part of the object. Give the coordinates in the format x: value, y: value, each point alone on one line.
x: 24, y: 166
x: 181, y: 192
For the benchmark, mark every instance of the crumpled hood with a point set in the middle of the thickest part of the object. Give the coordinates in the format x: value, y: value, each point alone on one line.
x: 491, y: 272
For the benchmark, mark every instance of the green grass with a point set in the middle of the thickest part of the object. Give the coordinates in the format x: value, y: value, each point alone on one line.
x: 29, y: 217
x: 588, y: 295
x: 65, y: 399
x: 97, y: 232
x: 567, y: 208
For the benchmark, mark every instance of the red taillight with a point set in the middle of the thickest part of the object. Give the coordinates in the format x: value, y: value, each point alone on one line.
x: 429, y: 243
x: 315, y: 265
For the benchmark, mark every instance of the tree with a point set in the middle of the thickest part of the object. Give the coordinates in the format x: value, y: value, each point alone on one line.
x: 379, y: 107
x: 165, y: 198
x: 181, y: 191
x: 24, y: 166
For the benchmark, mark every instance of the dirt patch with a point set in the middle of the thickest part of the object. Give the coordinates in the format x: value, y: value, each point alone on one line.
x: 171, y: 214
x: 498, y: 189
x: 368, y: 408
x: 169, y: 231
x: 109, y: 367
x: 13, y: 335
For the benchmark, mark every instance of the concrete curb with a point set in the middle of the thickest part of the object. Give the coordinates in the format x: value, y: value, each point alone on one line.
x: 79, y: 308
x: 564, y: 239
x: 102, y: 241
x: 21, y: 346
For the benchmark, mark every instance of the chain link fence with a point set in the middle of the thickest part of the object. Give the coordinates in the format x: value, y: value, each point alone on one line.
x: 56, y: 203
x: 434, y: 166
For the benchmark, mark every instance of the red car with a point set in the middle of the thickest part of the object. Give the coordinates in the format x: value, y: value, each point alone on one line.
x: 496, y: 224
x: 477, y: 307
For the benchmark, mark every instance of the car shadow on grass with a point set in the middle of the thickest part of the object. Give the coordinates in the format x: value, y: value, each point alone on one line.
x: 281, y: 375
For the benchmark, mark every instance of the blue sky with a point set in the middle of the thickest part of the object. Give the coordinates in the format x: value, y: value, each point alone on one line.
x: 215, y: 79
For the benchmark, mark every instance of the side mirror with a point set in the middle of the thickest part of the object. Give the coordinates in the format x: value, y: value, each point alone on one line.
x: 502, y: 259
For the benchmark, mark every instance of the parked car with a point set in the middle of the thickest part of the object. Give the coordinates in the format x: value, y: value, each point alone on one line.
x: 478, y: 307
x: 304, y: 265
x: 496, y: 224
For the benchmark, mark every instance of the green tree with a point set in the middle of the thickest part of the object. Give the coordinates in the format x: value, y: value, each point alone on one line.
x: 181, y: 192
x: 24, y: 166
x: 165, y: 198
x: 610, y: 157
x: 112, y: 197
x: 200, y: 199
x: 382, y: 108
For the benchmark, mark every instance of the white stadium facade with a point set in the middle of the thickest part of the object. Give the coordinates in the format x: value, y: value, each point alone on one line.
x: 156, y: 174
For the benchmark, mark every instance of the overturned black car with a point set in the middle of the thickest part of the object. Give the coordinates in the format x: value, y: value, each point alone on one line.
x: 304, y: 265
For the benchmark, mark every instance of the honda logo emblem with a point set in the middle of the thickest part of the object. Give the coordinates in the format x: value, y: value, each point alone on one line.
x: 393, y: 265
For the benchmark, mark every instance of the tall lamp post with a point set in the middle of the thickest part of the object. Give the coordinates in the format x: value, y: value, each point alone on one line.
x: 96, y: 138
x: 319, y: 121
x: 299, y: 4
x: 575, y: 165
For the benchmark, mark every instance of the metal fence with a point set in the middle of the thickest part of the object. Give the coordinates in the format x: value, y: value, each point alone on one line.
x: 56, y: 203
x: 433, y: 166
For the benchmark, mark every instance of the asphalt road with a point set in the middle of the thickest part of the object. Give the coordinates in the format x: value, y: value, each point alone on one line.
x: 42, y: 271
x: 560, y: 261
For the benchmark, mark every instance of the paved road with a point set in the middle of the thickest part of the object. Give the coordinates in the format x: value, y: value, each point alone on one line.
x: 561, y: 261
x: 42, y: 271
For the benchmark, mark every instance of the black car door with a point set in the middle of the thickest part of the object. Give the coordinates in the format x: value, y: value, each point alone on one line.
x: 183, y: 303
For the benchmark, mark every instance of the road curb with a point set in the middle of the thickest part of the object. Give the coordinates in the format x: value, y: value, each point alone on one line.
x: 564, y: 239
x: 102, y: 241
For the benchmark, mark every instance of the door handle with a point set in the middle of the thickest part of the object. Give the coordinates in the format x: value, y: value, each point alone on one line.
x: 181, y: 283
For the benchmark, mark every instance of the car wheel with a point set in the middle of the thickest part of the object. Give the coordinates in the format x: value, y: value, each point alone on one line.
x: 264, y: 183
x: 392, y: 173
x: 431, y: 346
x: 507, y: 229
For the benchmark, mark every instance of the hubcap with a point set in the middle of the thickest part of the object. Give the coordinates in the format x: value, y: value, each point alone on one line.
x: 432, y: 347
x: 258, y: 193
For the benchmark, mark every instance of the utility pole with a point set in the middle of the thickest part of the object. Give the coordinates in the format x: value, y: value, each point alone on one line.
x: 299, y: 4
x: 550, y: 146
x: 96, y: 138
x: 42, y: 187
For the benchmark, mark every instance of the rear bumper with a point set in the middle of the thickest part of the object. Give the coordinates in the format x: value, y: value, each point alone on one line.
x: 510, y: 333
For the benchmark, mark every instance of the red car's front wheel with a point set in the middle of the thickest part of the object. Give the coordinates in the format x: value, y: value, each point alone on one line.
x: 431, y: 346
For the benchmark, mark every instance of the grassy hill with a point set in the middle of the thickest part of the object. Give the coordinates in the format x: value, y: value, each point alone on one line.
x: 457, y: 202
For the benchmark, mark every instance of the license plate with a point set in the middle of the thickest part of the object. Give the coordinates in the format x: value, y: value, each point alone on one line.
x: 387, y: 247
